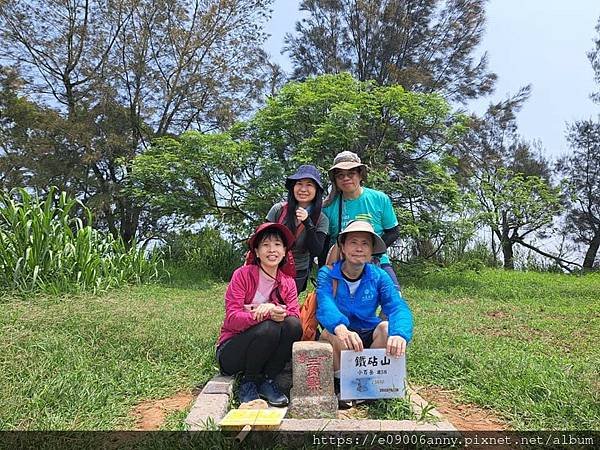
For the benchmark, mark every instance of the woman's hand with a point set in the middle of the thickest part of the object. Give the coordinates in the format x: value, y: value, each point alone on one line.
x: 301, y: 214
x: 350, y: 339
x: 278, y: 313
x: 261, y: 311
x: 396, y: 346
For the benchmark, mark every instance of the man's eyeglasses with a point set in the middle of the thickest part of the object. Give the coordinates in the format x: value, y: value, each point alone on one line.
x: 341, y: 174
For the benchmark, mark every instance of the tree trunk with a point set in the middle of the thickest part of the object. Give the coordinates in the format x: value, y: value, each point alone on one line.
x: 592, y: 251
x: 507, y: 251
x: 494, y: 250
x: 130, y: 216
x: 425, y: 248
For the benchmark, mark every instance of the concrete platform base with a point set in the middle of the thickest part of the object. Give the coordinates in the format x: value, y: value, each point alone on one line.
x: 213, y: 402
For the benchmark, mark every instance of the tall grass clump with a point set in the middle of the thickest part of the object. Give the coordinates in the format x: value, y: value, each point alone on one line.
x: 205, y: 254
x: 45, y: 248
x: 474, y: 255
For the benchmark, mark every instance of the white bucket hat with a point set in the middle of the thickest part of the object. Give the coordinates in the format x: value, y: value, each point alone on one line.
x: 360, y: 225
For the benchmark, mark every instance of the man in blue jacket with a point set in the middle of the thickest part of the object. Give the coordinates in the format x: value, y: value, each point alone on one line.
x: 349, y: 317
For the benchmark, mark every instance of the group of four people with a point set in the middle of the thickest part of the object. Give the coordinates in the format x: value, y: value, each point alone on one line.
x: 261, y: 302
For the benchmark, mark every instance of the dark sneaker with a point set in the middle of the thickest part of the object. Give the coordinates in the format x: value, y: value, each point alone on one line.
x: 269, y: 391
x: 247, y: 392
x: 367, y: 401
x: 344, y: 404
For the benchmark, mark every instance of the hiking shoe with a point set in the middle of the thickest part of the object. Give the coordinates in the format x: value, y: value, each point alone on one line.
x: 366, y: 402
x: 247, y: 392
x: 344, y: 404
x: 269, y: 391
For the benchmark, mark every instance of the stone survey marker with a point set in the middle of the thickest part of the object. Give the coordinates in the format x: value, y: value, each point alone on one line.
x: 312, y: 394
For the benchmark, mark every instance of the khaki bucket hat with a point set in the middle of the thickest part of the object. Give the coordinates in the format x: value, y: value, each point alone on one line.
x: 360, y: 225
x: 345, y: 160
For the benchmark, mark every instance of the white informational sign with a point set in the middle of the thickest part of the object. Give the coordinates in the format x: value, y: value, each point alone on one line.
x: 371, y: 374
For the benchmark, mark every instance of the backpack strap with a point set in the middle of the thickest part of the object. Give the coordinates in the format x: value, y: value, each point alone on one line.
x: 340, y: 214
x: 283, y: 215
x: 334, y: 282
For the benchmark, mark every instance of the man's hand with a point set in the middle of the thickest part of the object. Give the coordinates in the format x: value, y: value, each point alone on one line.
x: 350, y: 339
x: 396, y: 346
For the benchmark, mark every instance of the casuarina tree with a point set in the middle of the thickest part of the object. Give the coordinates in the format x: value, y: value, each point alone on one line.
x: 120, y: 73
x: 581, y: 171
x: 509, y: 181
x: 423, y: 45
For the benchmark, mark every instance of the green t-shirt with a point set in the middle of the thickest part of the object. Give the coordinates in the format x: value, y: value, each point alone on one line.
x: 300, y: 252
x: 371, y: 206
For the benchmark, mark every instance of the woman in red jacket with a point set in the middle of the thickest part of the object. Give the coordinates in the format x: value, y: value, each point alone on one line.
x: 261, y: 316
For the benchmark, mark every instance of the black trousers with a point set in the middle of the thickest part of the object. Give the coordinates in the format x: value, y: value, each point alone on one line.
x: 262, y: 350
x: 301, y: 279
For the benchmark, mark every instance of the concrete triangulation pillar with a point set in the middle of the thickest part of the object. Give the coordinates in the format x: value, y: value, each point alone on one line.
x: 312, y: 394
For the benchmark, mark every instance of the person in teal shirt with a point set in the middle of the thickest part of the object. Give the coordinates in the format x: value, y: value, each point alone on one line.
x: 349, y: 200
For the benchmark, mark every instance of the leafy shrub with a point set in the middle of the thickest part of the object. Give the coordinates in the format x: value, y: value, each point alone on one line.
x: 474, y: 257
x: 205, y: 253
x: 43, y: 247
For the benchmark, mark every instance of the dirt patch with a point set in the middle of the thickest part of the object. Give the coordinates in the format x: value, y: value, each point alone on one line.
x: 460, y: 301
x: 526, y: 333
x: 496, y: 332
x: 150, y: 414
x: 465, y: 417
x: 497, y: 314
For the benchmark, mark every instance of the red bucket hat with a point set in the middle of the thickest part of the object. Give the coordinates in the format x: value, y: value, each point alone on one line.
x: 287, y: 234
x: 288, y: 267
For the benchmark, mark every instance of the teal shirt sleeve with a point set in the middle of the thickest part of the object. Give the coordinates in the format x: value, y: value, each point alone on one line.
x: 389, y: 215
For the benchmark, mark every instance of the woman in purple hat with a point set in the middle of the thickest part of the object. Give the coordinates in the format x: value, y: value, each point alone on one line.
x: 261, y: 316
x: 302, y: 215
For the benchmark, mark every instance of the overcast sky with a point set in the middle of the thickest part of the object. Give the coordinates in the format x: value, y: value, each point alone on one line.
x: 538, y: 42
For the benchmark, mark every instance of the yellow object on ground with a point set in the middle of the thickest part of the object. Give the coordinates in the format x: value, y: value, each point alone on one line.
x: 238, y: 418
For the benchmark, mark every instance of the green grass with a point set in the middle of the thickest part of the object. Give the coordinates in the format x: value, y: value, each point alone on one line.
x: 524, y: 345
x: 391, y: 409
x: 175, y: 421
x: 521, y: 344
x: 84, y: 362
